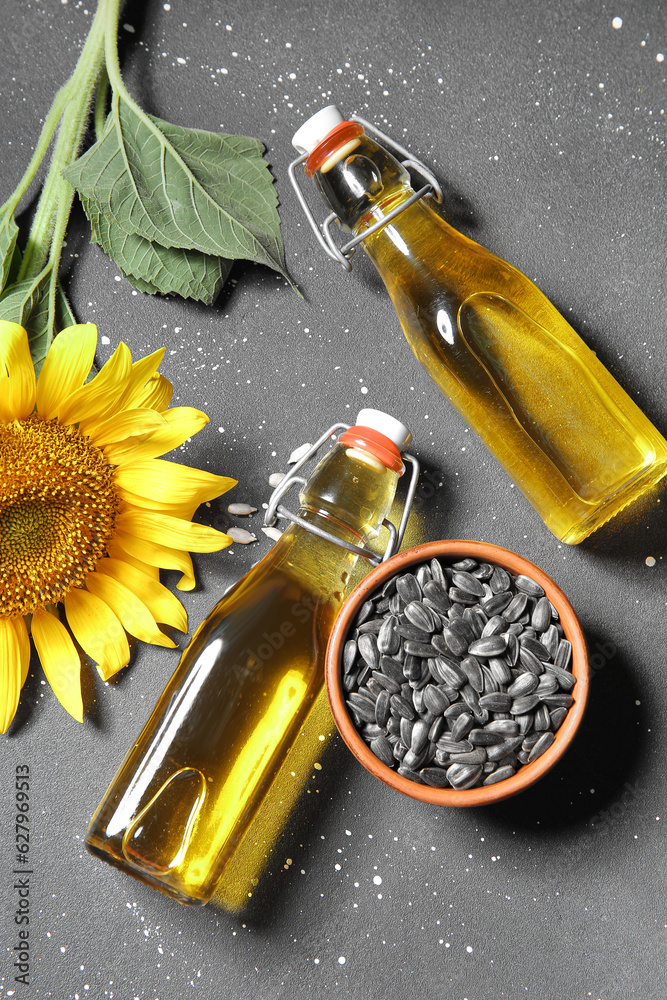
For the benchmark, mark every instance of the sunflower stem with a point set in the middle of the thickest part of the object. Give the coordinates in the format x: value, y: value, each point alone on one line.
x: 47, y: 232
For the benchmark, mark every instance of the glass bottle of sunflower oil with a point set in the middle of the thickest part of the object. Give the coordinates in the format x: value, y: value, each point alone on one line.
x: 569, y: 436
x: 190, y: 785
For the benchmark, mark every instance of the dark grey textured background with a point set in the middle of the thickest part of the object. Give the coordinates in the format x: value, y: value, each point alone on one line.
x: 547, y: 127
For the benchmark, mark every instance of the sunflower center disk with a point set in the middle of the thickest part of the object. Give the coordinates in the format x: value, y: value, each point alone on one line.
x: 58, y: 507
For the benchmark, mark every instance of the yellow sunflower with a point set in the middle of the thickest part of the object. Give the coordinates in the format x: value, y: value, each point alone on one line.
x: 88, y: 512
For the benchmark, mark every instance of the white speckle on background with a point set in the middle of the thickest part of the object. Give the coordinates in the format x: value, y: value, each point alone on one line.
x: 469, y: 949
x: 105, y: 340
x: 341, y: 959
x: 617, y: 22
x: 660, y: 57
x: 650, y: 560
x: 377, y: 880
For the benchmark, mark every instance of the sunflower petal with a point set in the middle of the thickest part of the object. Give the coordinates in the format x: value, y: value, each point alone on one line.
x: 173, y: 532
x: 95, y: 400
x: 183, y: 510
x: 98, y: 630
x: 163, y: 605
x: 65, y: 367
x: 133, y: 424
x: 132, y: 613
x: 24, y: 647
x: 158, y: 555
x: 116, y: 551
x: 60, y: 660
x: 179, y: 484
x: 183, y: 422
x: 10, y: 673
x: 17, y: 375
x: 140, y: 376
x: 156, y: 393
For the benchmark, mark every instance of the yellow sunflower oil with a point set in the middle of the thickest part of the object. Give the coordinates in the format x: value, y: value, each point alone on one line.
x: 187, y: 790
x: 570, y: 437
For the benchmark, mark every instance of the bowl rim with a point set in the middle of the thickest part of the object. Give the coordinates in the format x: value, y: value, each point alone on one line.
x: 456, y: 549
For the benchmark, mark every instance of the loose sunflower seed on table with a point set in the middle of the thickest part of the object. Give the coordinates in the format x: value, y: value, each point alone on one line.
x: 458, y: 675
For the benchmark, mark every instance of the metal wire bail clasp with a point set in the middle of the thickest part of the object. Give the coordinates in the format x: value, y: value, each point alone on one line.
x: 276, y: 509
x: 342, y: 255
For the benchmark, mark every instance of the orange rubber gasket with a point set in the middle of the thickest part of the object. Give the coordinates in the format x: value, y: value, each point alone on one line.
x: 376, y: 444
x: 332, y: 141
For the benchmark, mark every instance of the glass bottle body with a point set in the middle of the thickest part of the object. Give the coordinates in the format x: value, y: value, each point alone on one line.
x: 566, y: 432
x: 190, y: 785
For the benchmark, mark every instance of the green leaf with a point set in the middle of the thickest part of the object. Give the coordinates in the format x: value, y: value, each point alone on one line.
x: 8, y: 233
x: 181, y: 187
x: 27, y: 303
x: 64, y: 315
x: 153, y: 268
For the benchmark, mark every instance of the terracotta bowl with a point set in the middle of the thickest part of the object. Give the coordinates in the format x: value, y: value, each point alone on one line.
x: 451, y: 551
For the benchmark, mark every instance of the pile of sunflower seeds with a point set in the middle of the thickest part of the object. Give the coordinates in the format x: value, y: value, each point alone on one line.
x: 458, y: 675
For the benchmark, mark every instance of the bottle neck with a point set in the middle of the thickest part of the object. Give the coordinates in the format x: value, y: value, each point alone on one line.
x: 363, y: 183
x: 348, y: 495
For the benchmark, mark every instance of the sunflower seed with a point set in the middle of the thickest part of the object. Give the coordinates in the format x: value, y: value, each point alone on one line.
x: 544, y: 742
x: 534, y: 646
x: 391, y: 668
x: 437, y: 595
x: 497, y: 701
x: 473, y: 671
x: 495, y: 604
x: 524, y: 703
x: 241, y: 509
x: 529, y: 661
x: 401, y: 706
x: 499, y: 580
x: 408, y: 588
x: 382, y: 749
x: 557, y: 716
x: 421, y: 616
x: 366, y: 611
x: 435, y: 699
x: 558, y: 700
x: 550, y: 639
x: 542, y: 719
x: 524, y: 684
x: 564, y: 654
x: 388, y: 641
x: 505, y: 747
x: 419, y: 737
x: 500, y: 670
x: 368, y: 648
x: 506, y: 727
x: 272, y: 532
x: 476, y: 756
x: 467, y: 582
x: 515, y: 608
x: 494, y: 626
x: 373, y: 627
x: 528, y: 585
x: 463, y: 775
x: 490, y: 645
x: 298, y: 453
x: 541, y: 616
x: 437, y: 729
x: 363, y: 706
x: 414, y: 760
x: 382, y: 708
x: 423, y: 575
x: 434, y: 776
x: 547, y: 684
x: 566, y: 680
x: 407, y: 772
x: 499, y: 775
